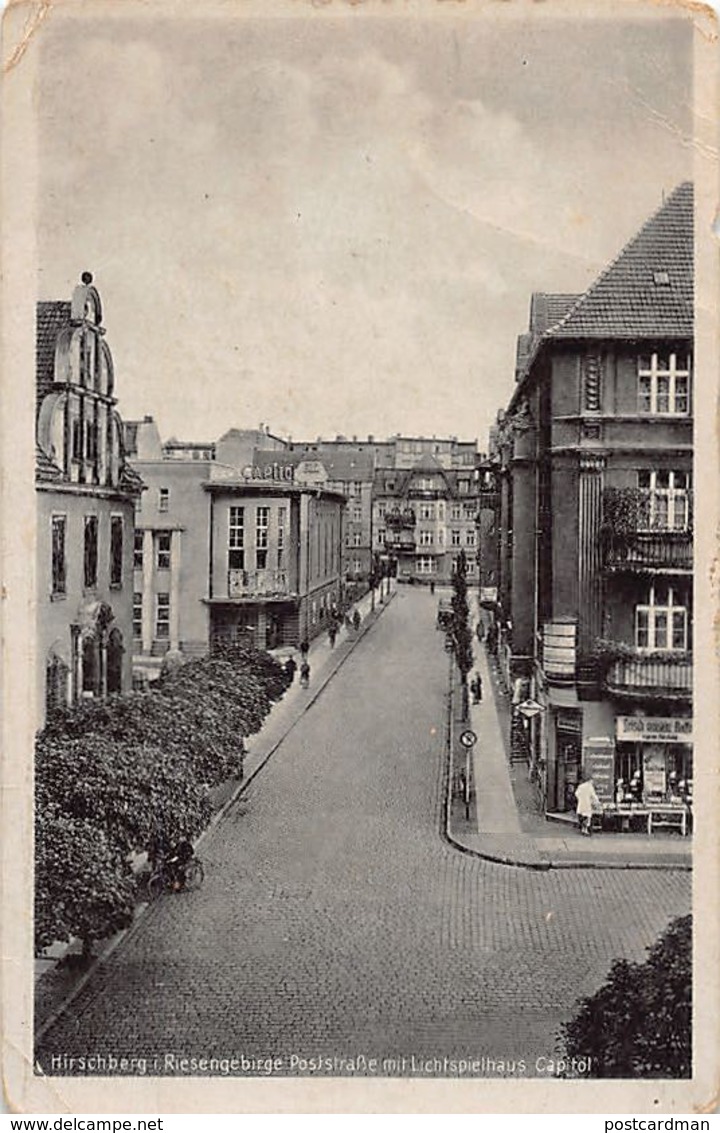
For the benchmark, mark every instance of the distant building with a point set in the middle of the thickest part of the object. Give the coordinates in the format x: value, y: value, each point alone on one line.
x: 86, y: 496
x: 229, y: 544
x: 594, y: 467
x: 276, y: 565
x: 423, y: 517
x: 359, y: 466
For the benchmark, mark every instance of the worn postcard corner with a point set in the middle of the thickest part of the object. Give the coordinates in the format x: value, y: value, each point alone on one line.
x: 360, y: 590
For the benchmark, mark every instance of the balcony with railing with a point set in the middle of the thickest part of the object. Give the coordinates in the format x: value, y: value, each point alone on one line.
x: 645, y: 531
x: 398, y: 520
x: 258, y: 584
x: 400, y: 541
x: 643, y: 675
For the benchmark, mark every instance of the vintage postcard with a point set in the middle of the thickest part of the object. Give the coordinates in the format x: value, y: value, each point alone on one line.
x: 360, y: 512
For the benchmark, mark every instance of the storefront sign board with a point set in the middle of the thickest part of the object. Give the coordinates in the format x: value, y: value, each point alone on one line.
x: 655, y: 729
x: 598, y: 759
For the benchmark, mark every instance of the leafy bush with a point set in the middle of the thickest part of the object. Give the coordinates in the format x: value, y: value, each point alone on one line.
x: 82, y: 887
x: 128, y: 774
x: 639, y: 1023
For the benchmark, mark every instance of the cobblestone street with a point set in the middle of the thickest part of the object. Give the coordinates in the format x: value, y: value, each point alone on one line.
x: 336, y: 921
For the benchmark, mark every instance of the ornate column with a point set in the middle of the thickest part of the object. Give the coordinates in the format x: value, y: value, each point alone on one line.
x: 589, y: 556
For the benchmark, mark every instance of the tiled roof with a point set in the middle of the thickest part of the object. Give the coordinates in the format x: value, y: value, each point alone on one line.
x: 45, y: 468
x: 647, y: 291
x: 51, y: 317
x: 340, y: 465
x: 428, y: 463
x: 547, y: 308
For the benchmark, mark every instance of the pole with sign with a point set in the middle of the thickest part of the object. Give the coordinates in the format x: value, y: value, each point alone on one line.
x: 468, y: 739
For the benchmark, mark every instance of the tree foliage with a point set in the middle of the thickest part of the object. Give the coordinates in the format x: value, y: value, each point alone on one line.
x: 461, y: 634
x: 127, y: 774
x: 82, y: 887
x: 639, y: 1023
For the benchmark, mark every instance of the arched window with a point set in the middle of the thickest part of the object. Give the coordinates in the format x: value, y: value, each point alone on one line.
x: 90, y: 667
x: 115, y: 652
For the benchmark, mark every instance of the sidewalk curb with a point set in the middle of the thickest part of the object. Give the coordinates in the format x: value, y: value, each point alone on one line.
x: 141, y: 909
x: 544, y: 864
x: 242, y: 786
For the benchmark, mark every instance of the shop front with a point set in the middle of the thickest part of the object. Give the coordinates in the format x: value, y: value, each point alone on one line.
x: 654, y: 770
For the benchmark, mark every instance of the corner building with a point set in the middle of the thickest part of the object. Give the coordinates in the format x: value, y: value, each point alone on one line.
x: 594, y: 458
x: 229, y: 544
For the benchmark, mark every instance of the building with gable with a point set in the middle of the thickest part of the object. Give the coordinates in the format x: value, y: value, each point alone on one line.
x: 86, y: 497
x: 424, y: 516
x: 593, y: 464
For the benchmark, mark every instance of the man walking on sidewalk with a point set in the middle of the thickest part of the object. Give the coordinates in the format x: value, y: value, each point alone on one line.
x: 587, y: 803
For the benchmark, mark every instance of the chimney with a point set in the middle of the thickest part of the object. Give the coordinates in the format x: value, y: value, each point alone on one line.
x: 371, y: 438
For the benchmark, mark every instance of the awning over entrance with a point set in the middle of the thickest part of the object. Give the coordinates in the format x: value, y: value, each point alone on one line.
x: 562, y: 697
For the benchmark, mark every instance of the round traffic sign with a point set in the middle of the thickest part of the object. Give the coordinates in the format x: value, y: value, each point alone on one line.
x: 468, y: 738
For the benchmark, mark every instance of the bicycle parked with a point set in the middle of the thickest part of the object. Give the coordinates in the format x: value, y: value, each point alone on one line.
x: 177, y: 872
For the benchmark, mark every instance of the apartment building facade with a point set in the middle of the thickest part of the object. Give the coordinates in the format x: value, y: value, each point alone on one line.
x: 594, y: 467
x: 229, y: 543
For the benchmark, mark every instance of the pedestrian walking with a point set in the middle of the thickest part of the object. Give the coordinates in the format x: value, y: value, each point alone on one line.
x: 332, y: 634
x: 304, y: 674
x: 290, y: 667
x: 586, y: 803
x: 432, y: 585
x: 476, y: 688
x: 304, y: 647
x: 356, y: 621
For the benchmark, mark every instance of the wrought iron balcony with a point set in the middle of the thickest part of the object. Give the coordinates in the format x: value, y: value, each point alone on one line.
x: 649, y: 550
x: 638, y: 535
x: 652, y: 675
x: 400, y: 519
x: 257, y: 583
x: 400, y: 541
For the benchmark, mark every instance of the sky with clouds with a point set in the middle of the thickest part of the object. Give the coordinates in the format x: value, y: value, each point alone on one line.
x: 334, y: 225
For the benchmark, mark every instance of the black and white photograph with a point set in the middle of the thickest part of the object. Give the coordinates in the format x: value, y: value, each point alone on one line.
x: 358, y: 362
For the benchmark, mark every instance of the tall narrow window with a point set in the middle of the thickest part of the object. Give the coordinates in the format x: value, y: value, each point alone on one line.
x: 90, y: 552
x: 262, y: 517
x: 281, y: 537
x: 137, y: 613
x: 236, y: 538
x: 116, y: 550
x: 162, y: 618
x: 163, y: 499
x: 138, y: 550
x: 164, y: 543
x: 59, y: 562
x: 77, y: 439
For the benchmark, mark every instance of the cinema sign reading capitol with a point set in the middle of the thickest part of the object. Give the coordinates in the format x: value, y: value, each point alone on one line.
x: 284, y: 473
